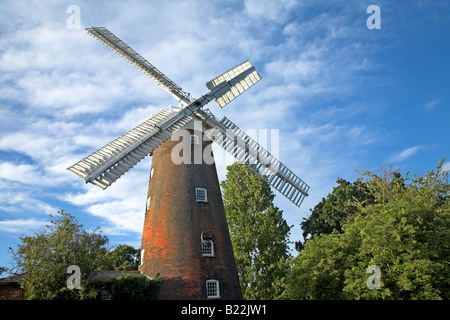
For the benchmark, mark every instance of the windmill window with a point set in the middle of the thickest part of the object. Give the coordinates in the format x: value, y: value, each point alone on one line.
x: 194, y: 139
x: 151, y: 173
x: 207, y: 248
x: 212, y: 289
x: 148, y: 204
x: 142, y: 258
x: 201, y: 195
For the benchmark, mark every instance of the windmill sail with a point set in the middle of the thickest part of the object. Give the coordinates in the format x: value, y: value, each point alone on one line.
x: 247, y: 151
x: 121, y: 48
x: 110, y: 162
x: 233, y: 83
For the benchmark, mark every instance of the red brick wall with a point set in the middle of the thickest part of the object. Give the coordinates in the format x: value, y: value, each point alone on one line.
x: 173, y: 226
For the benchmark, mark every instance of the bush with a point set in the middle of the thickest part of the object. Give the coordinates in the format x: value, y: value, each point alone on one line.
x: 131, y: 287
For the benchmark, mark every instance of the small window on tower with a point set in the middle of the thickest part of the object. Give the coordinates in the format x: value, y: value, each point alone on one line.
x: 212, y: 289
x: 200, y: 195
x: 142, y: 257
x: 194, y: 139
x: 148, y: 204
x: 207, y: 248
x: 151, y: 173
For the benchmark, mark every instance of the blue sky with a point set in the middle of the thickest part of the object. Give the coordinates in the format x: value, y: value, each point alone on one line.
x: 343, y: 97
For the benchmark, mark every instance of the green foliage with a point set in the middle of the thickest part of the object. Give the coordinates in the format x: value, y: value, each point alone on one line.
x: 405, y: 231
x: 336, y: 209
x: 259, y: 233
x: 43, y: 259
x: 123, y: 257
x: 126, y: 287
x: 132, y: 287
x: 317, y: 271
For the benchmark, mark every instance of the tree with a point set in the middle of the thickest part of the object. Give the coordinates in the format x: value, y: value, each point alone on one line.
x: 405, y: 232
x: 123, y: 257
x: 259, y: 233
x: 43, y: 259
x: 317, y: 272
x: 335, y: 210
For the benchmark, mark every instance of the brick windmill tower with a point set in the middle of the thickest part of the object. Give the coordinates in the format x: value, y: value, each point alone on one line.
x: 185, y: 236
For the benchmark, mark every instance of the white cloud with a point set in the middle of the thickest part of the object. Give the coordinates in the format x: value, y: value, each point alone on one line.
x: 266, y: 9
x: 21, y: 225
x: 24, y: 173
x: 121, y: 215
x: 430, y: 105
x: 47, y: 150
x: 300, y: 70
x: 20, y: 199
x: 122, y: 205
x: 446, y: 166
x: 404, y: 154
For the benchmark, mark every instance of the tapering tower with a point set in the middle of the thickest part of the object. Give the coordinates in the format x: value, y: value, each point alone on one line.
x: 185, y: 237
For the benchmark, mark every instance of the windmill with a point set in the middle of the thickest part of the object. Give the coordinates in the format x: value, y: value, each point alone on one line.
x: 185, y: 237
